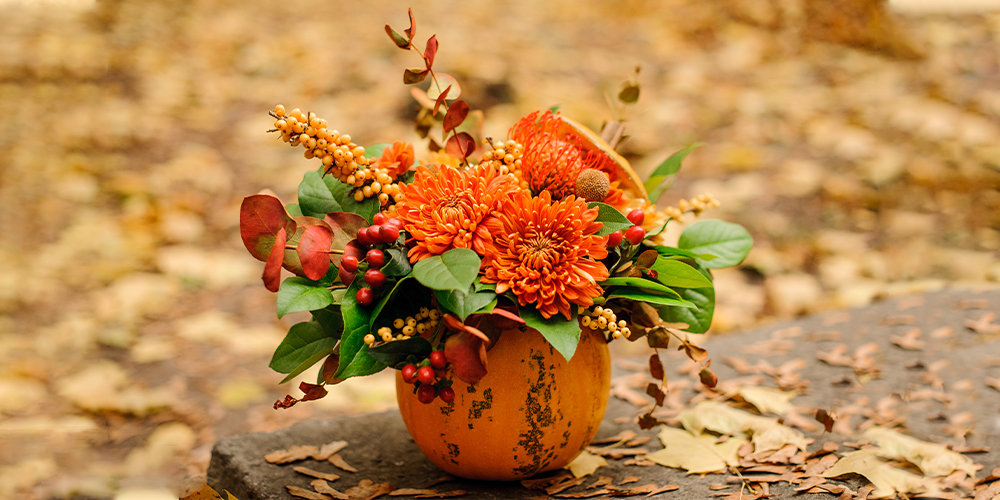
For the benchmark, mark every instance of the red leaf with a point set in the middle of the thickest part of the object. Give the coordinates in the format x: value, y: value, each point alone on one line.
x: 261, y: 216
x: 312, y: 391
x: 430, y: 51
x: 412, y: 30
x: 292, y: 262
x: 824, y: 417
x: 454, y: 324
x: 396, y: 38
x: 440, y: 99
x: 456, y: 115
x: 272, y: 270
x: 345, y: 227
x: 460, y: 146
x: 656, y: 367
x: 647, y: 421
x: 467, y: 353
x: 509, y: 315
x: 314, y: 251
x: 330, y: 367
x: 411, y: 76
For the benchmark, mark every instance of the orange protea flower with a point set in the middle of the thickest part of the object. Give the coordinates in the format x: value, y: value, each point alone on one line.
x: 551, y: 159
x: 398, y: 158
x: 546, y: 252
x: 449, y: 210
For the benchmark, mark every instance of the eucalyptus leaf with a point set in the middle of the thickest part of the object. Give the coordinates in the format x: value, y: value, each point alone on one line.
x: 670, y: 166
x: 728, y: 242
x: 455, y: 269
x: 305, y: 344
x: 301, y: 294
x: 563, y: 334
x: 678, y: 274
x: 612, y: 220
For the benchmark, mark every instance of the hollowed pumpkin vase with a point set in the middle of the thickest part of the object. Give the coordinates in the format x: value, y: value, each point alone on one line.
x: 532, y: 412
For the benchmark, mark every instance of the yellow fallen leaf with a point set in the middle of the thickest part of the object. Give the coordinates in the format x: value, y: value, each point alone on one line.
x: 585, y: 464
x: 933, y: 459
x: 696, y: 454
x: 767, y: 433
x: 767, y: 399
x: 887, y: 479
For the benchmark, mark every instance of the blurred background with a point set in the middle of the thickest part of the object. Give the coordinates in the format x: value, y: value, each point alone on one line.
x: 858, y: 141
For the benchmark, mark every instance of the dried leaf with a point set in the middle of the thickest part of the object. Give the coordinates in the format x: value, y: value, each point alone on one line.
x: 933, y: 459
x: 638, y: 441
x: 398, y: 39
x: 368, y: 489
x: 663, y: 489
x: 826, y: 418
x: 444, y: 494
x: 565, y: 485
x: 295, y: 491
x: 312, y: 392
x: 603, y: 481
x: 410, y: 492
x: 430, y: 50
x: 810, y: 483
x: 696, y: 454
x: 339, y: 463
x: 456, y: 114
x: 205, y: 493
x: 647, y: 421
x: 656, y: 393
x: 460, y: 146
x: 887, y: 479
x: 617, y: 438
x: 707, y: 376
x: 583, y: 494
x: 545, y: 482
x: 909, y: 340
x: 616, y: 453
x: 315, y: 473
x: 585, y: 464
x: 767, y: 399
x: 656, y: 367
x: 412, y: 30
x: 629, y: 94
x: 694, y: 352
x: 411, y: 76
x: 321, y: 486
x: 292, y: 454
x: 630, y: 479
x: 440, y: 99
x: 635, y: 490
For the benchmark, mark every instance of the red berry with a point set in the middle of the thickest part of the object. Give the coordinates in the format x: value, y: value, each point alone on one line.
x: 635, y: 234
x: 409, y: 374
x: 374, y: 278
x: 349, y: 263
x: 636, y: 216
x: 426, y: 394
x: 615, y: 239
x: 365, y: 297
x: 389, y: 233
x: 379, y: 219
x: 426, y: 375
x: 438, y: 360
x: 375, y: 258
x: 363, y: 237
x: 447, y: 394
x: 393, y: 221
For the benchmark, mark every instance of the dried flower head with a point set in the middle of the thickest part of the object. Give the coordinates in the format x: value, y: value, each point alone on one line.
x: 546, y: 252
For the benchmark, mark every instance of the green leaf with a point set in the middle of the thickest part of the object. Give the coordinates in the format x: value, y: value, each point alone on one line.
x: 453, y: 270
x: 377, y: 310
x: 666, y: 251
x: 479, y: 286
x: 639, y: 283
x: 632, y: 293
x: 315, y: 197
x: 729, y: 242
x: 375, y: 150
x: 330, y: 319
x: 555, y: 109
x: 398, y: 264
x: 563, y: 334
x: 343, y: 194
x: 301, y: 294
x: 392, y: 353
x: 669, y: 167
x: 463, y: 304
x: 305, y: 344
x: 698, y: 319
x: 354, y: 358
x: 678, y: 274
x: 293, y: 210
x: 612, y: 219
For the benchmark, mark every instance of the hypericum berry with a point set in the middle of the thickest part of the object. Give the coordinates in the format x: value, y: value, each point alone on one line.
x: 374, y: 278
x: 409, y: 374
x: 375, y: 258
x: 426, y: 394
x: 438, y: 360
x: 636, y: 216
x: 379, y: 218
x: 615, y: 239
x: 365, y: 297
x: 635, y: 234
x: 349, y: 263
x: 390, y: 233
x: 395, y: 222
x: 426, y: 375
x: 447, y: 394
x: 364, y: 237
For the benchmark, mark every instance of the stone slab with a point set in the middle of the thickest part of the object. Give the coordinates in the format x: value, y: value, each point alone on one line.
x: 382, y: 451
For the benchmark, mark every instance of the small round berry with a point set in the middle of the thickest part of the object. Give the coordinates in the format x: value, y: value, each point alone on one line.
x: 426, y: 375
x: 279, y: 110
x: 447, y: 394
x: 585, y: 321
x: 389, y: 233
x: 369, y: 339
x: 365, y: 297
x: 375, y: 258
x: 636, y: 216
x: 349, y: 263
x: 374, y: 278
x: 408, y: 330
x: 398, y: 323
x: 386, y: 336
x: 635, y: 235
x: 409, y: 374
x: 438, y: 360
x: 364, y: 237
x: 615, y: 239
x: 395, y: 222
x: 411, y: 321
x: 379, y: 219
x: 359, y: 195
x: 426, y: 394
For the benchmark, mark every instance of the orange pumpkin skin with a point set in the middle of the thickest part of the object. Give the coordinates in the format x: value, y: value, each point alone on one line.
x: 531, y: 413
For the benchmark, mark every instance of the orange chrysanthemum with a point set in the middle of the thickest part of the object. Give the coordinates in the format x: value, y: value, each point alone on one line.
x: 450, y: 210
x: 398, y: 158
x: 551, y: 159
x: 547, y: 253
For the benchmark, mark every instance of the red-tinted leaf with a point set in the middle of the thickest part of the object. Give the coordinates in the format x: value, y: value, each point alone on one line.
x: 455, y: 324
x: 440, y: 99
x: 330, y: 367
x: 400, y: 41
x: 292, y: 262
x: 345, y: 227
x: 460, y: 146
x: 412, y: 30
x: 656, y: 393
x: 272, y: 270
x: 411, y: 76
x: 694, y: 352
x: 647, y: 421
x: 467, y: 353
x: 824, y: 417
x: 314, y: 251
x: 509, y: 315
x: 456, y: 115
x: 656, y: 367
x: 430, y: 51
x: 261, y: 216
x: 444, y: 81
x: 285, y: 404
x: 312, y: 391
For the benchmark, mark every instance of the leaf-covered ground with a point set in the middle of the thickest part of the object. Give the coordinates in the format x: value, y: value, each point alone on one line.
x: 135, y: 331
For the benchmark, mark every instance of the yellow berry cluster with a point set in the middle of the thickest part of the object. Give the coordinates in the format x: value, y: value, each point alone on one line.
x: 695, y: 205
x: 341, y: 157
x: 505, y: 156
x: 605, y: 320
x: 405, y: 328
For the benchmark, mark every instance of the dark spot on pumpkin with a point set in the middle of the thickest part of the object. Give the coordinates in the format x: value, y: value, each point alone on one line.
x: 538, y: 415
x: 471, y: 389
x: 453, y: 453
x: 565, y: 439
x: 447, y: 409
x: 476, y: 412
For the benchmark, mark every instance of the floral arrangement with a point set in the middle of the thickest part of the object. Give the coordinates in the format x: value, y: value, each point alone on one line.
x: 418, y: 265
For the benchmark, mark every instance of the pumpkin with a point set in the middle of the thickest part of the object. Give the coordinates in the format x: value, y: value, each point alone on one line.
x: 591, y: 141
x: 532, y: 412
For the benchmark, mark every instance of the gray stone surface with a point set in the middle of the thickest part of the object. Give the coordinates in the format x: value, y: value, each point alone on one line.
x: 906, y: 389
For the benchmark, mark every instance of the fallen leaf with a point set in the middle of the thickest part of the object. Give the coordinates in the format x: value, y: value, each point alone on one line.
x: 898, y: 320
x: 638, y: 441
x: 932, y: 459
x: 585, y: 464
x: 767, y: 399
x: 826, y: 418
x: 443, y: 479
x: 295, y: 491
x: 315, y: 473
x: 909, y: 340
x: 983, y: 325
x: 545, y: 482
x: 820, y: 466
x: 410, y: 492
x: 696, y: 454
x: 339, y: 463
x: 603, y: 481
x: 205, y: 493
x: 321, y: 486
x: 972, y: 304
x: 616, y: 453
x: 443, y: 494
x: 717, y: 487
x: 630, y: 479
x: 635, y: 490
x: 368, y: 489
x: 886, y: 479
x: 327, y: 450
x: 584, y: 494
x: 663, y: 489
x: 565, y: 485
x: 293, y: 454
x: 617, y: 438
x: 766, y: 433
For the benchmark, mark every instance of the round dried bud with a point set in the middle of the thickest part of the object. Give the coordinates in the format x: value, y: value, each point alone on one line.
x: 592, y: 185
